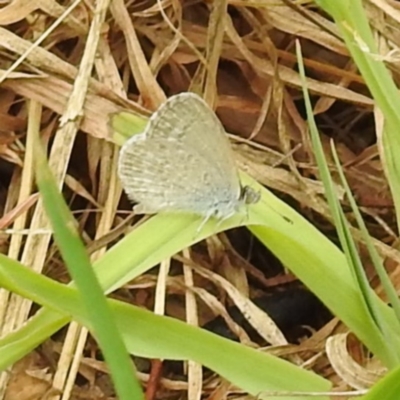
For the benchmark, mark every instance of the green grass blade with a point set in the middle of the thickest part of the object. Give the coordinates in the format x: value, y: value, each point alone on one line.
x: 125, y: 124
x: 378, y: 332
x: 353, y: 24
x: 388, y: 388
x: 79, y: 266
x: 302, y: 248
x: 149, y: 335
x: 380, y: 269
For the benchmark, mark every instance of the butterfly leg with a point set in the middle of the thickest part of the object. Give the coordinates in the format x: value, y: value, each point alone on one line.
x: 209, y: 215
x: 221, y: 220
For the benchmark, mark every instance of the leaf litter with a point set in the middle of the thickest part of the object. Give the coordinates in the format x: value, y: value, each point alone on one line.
x: 66, y: 67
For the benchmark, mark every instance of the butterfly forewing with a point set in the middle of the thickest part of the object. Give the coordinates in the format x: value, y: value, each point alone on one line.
x: 182, y: 162
x: 199, y: 129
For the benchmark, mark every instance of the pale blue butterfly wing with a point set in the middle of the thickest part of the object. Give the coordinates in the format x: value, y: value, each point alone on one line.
x: 182, y: 162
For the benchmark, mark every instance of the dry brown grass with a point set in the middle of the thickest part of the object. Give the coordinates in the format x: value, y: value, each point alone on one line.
x: 66, y: 78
